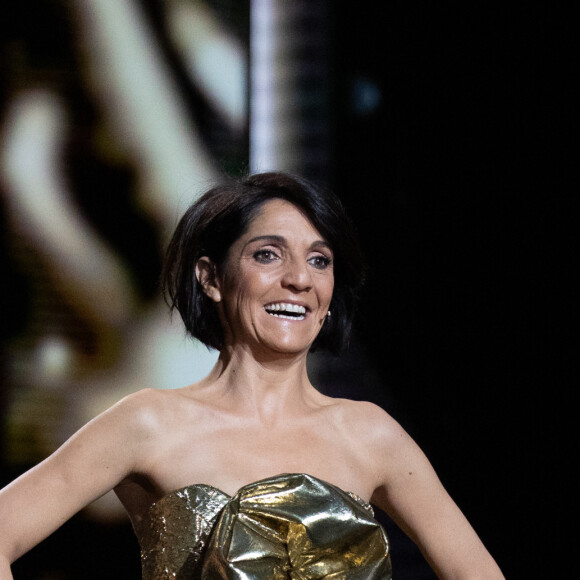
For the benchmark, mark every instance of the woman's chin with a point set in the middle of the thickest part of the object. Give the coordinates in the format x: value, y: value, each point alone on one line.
x: 283, y: 340
x: 286, y: 350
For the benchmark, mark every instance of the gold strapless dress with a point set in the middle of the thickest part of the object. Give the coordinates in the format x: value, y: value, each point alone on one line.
x: 288, y: 526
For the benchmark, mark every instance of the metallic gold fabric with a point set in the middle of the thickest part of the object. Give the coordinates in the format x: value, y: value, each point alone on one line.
x: 289, y: 526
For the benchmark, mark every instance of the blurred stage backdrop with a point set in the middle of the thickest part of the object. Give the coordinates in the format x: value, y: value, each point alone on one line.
x: 432, y: 122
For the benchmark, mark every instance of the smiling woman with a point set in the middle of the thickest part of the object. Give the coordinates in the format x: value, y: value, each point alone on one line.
x: 221, y: 218
x: 251, y: 472
x: 273, y: 290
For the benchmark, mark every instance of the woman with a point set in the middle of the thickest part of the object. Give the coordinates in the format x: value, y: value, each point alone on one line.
x: 251, y: 472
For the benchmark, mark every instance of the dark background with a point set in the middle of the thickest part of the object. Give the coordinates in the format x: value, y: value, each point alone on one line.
x: 449, y: 136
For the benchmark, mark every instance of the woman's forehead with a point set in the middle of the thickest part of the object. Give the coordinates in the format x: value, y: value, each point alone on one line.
x: 278, y: 216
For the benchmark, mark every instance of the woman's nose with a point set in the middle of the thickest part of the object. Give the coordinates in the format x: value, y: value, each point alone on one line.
x: 297, y: 276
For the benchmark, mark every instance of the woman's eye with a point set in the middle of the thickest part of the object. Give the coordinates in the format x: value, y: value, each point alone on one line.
x: 265, y: 256
x: 320, y: 262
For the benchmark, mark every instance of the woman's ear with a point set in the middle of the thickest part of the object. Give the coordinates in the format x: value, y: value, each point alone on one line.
x: 205, y: 272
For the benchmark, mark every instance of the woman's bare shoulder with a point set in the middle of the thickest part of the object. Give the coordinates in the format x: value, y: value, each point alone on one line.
x: 145, y: 421
x: 136, y: 417
x: 368, y: 421
x: 149, y: 409
x: 364, y: 412
x: 138, y: 408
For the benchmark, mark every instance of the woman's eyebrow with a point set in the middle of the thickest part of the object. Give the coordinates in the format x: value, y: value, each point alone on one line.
x: 272, y: 238
x: 320, y: 244
x: 282, y: 240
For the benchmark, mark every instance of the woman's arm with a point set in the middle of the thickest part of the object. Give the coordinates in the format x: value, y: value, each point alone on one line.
x: 90, y: 463
x: 5, y: 572
x: 411, y: 493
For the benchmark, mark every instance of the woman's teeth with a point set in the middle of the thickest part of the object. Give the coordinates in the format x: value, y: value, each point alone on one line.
x: 284, y: 310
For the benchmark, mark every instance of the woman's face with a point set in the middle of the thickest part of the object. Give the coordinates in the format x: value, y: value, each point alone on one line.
x: 277, y: 282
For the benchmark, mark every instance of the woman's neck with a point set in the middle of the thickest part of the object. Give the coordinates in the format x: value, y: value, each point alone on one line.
x: 266, y: 385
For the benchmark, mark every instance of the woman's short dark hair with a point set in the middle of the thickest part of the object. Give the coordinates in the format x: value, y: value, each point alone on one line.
x: 218, y: 218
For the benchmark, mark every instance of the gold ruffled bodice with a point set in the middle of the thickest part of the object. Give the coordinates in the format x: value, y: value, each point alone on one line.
x: 288, y: 526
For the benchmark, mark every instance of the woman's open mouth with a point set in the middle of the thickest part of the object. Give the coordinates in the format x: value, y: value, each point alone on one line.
x: 286, y: 310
